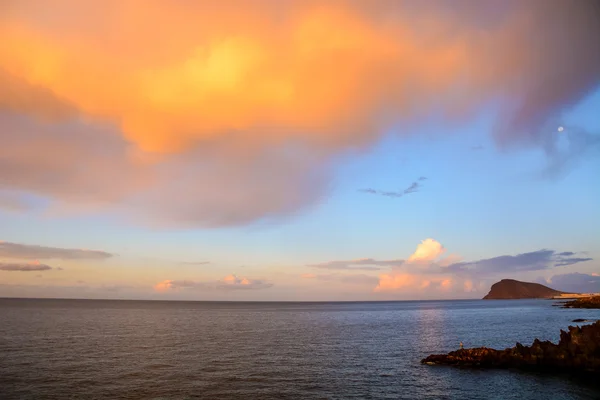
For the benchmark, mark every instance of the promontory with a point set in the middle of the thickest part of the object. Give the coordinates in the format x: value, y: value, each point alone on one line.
x: 577, y: 351
x: 513, y: 289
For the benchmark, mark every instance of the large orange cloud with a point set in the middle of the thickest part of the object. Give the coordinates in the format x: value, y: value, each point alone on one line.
x: 326, y: 75
x: 246, y: 90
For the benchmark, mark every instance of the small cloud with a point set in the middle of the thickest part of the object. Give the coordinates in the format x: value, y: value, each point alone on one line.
x: 24, y: 267
x: 368, y: 190
x: 571, y: 261
x: 477, y: 147
x: 566, y: 254
x: 230, y: 282
x: 468, y: 286
x: 28, y: 252
x: 414, y: 187
x: 391, y: 194
x: 80, y: 282
x: 163, y: 286
x: 446, y: 283
x: 428, y: 250
x: 308, y: 276
x: 365, y: 264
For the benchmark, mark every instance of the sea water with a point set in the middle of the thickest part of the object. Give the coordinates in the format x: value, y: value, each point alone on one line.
x: 104, y: 349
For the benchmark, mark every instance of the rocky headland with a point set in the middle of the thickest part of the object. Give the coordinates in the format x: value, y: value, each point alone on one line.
x: 585, y: 302
x: 577, y: 351
x: 513, y: 289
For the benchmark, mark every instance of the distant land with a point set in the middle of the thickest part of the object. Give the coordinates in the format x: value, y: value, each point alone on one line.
x: 512, y: 289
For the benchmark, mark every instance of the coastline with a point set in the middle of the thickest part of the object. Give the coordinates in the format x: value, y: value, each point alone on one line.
x: 577, y: 351
x: 589, y: 302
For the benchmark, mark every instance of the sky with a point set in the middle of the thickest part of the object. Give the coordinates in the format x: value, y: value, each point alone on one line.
x: 298, y: 151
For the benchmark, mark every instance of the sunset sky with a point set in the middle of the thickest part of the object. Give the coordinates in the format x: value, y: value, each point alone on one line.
x: 298, y: 150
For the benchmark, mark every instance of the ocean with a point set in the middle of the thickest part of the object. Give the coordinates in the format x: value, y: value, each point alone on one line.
x: 105, y: 349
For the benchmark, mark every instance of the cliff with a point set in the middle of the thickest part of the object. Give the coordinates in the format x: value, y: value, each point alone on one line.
x: 512, y: 289
x: 577, y: 351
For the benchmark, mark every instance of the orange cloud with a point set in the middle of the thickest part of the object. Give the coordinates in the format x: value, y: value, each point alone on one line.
x: 235, y: 94
x: 318, y: 78
x: 427, y: 250
x: 163, y: 286
x: 468, y: 285
x: 423, y: 271
x: 230, y: 282
x: 411, y: 282
x: 446, y: 283
x: 399, y: 281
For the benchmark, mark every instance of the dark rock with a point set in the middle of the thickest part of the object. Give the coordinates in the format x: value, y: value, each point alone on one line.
x: 512, y: 289
x: 584, y: 302
x: 577, y: 350
x: 581, y: 320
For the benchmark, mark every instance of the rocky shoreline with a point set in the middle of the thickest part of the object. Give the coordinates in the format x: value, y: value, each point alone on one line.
x: 584, y: 302
x: 577, y: 351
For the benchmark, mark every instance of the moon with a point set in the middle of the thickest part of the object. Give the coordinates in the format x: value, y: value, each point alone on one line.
x: 560, y: 129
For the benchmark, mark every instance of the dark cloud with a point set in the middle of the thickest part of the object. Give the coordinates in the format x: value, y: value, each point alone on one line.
x: 574, y: 283
x: 570, y: 261
x: 414, y: 187
x: 34, y: 252
x: 532, y: 261
x: 23, y: 267
x: 365, y: 264
x: 368, y: 190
